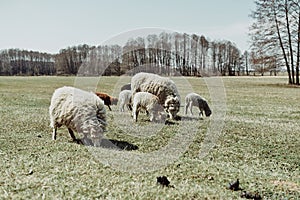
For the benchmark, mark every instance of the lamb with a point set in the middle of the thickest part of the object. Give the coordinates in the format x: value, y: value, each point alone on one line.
x: 150, y: 103
x: 79, y: 111
x: 164, y: 88
x: 193, y: 99
x: 124, y: 99
x: 108, y: 100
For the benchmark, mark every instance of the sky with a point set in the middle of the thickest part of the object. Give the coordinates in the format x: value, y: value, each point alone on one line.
x: 51, y: 25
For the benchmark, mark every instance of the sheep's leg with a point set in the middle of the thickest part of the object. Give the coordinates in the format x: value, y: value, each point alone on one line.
x: 191, y: 108
x: 186, y: 108
x: 129, y: 107
x: 54, y: 133
x: 109, y: 107
x: 201, y: 113
x: 136, y: 114
x: 72, y: 134
x: 122, y: 107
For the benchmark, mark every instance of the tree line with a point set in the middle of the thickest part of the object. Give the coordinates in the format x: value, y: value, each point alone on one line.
x: 169, y: 53
x: 275, y: 36
x: 189, y: 55
x: 164, y: 53
x: 24, y: 62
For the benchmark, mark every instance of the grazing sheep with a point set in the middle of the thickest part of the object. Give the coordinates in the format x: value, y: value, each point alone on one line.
x: 150, y: 103
x: 126, y: 87
x: 193, y: 99
x: 124, y: 99
x: 80, y: 111
x: 108, y: 100
x: 164, y: 88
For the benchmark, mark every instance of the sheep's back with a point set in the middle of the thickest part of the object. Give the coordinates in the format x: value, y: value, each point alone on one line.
x: 145, y: 98
x: 125, y: 95
x: 194, y: 98
x: 160, y: 86
x: 70, y: 106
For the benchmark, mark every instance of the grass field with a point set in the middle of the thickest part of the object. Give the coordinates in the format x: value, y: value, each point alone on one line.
x: 259, y: 144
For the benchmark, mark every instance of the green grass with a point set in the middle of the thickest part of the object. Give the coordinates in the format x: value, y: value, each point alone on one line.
x: 259, y: 144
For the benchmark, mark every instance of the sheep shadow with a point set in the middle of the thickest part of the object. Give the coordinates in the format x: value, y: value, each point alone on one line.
x: 118, y: 144
x: 182, y: 118
x: 109, y: 144
x: 169, y: 122
x: 189, y: 118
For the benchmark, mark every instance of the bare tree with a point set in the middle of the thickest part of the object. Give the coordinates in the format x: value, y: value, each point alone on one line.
x: 276, y: 22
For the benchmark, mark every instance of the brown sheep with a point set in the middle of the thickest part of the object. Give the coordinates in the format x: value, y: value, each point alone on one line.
x: 108, y: 100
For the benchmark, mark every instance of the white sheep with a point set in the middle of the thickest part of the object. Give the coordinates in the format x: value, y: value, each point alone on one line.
x: 149, y: 103
x: 79, y: 111
x: 124, y: 99
x: 193, y: 99
x: 164, y: 88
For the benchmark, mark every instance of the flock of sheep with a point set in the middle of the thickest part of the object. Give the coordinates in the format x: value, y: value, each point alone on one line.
x: 85, y: 113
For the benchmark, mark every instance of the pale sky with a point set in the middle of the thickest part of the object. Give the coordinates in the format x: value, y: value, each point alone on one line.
x: 50, y: 25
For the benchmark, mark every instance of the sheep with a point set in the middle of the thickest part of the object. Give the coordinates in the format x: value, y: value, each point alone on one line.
x: 79, y: 111
x: 150, y: 103
x: 193, y: 99
x: 126, y: 87
x: 124, y: 99
x: 108, y: 100
x: 164, y: 88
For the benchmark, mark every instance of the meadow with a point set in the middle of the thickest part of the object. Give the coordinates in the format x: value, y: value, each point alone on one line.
x: 258, y: 143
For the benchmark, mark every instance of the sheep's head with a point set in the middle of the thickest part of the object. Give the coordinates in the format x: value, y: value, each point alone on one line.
x: 172, y: 106
x: 204, y: 105
x: 159, y: 114
x: 114, y: 101
x: 206, y: 108
x: 93, y: 130
x: 96, y: 135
